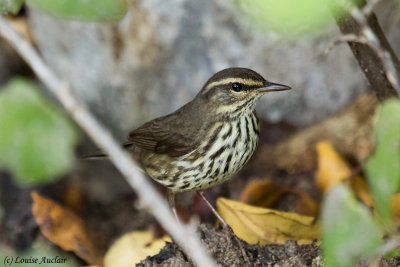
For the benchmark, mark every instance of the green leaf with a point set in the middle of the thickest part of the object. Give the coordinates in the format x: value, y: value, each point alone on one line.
x: 10, y: 6
x: 349, y: 232
x: 36, y: 140
x: 288, y: 17
x: 83, y: 9
x: 383, y: 168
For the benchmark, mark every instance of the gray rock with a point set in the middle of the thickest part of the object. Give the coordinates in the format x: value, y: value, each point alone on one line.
x: 158, y: 57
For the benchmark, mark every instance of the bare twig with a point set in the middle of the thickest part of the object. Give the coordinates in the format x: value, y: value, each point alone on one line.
x: 369, y: 45
x: 368, y: 38
x: 346, y: 38
x: 183, y: 235
x: 372, y: 40
x: 369, y: 6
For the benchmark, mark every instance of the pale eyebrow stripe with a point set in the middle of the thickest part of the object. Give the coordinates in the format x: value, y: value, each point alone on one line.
x: 248, y: 82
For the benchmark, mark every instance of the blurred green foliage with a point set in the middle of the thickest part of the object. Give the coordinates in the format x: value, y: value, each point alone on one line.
x: 10, y: 6
x: 36, y: 140
x: 349, y: 231
x: 83, y: 9
x: 287, y: 17
x: 383, y: 168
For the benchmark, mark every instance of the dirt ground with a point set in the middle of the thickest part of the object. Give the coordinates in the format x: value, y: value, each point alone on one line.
x: 228, y: 253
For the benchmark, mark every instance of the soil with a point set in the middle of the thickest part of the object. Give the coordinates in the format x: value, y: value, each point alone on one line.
x: 227, y: 252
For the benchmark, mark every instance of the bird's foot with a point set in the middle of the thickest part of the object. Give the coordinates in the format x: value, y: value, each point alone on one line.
x: 229, y: 233
x: 228, y: 230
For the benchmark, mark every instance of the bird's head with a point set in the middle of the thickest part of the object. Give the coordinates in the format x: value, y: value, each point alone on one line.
x: 235, y: 89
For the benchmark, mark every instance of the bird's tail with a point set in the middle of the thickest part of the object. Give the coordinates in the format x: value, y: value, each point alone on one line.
x: 101, y: 155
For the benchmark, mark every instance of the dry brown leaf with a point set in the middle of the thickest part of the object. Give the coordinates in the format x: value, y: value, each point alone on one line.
x: 262, y: 193
x: 265, y: 193
x: 305, y: 205
x: 360, y: 188
x: 132, y: 248
x: 74, y: 198
x: 64, y: 228
x: 21, y: 25
x: 267, y: 226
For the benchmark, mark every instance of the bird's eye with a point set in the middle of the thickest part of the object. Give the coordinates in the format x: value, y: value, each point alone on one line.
x: 237, y: 87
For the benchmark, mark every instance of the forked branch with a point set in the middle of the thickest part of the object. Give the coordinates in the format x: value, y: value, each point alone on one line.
x: 369, y: 45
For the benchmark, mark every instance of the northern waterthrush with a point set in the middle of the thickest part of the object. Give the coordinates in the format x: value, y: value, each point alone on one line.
x: 209, y: 139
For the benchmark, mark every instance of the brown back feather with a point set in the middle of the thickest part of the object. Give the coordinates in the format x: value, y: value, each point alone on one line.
x: 165, y: 135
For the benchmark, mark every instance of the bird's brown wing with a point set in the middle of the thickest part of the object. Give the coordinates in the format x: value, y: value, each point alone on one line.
x: 162, y: 136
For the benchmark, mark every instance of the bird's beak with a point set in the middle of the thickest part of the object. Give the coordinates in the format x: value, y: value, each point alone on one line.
x: 272, y: 87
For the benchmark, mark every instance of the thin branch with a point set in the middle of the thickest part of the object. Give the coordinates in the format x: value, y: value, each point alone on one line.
x: 369, y: 45
x: 184, y: 235
x: 368, y: 38
x: 369, y: 6
x: 346, y: 38
x: 373, y: 41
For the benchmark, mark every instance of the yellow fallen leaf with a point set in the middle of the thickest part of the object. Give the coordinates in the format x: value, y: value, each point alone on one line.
x: 267, y: 226
x: 64, y: 228
x: 333, y: 169
x: 132, y: 248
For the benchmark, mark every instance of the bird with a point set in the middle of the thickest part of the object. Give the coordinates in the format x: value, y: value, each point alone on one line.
x: 206, y: 141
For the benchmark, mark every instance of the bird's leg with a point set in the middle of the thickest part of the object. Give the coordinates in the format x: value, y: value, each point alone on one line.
x: 226, y: 226
x: 171, y: 202
x: 201, y: 194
